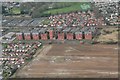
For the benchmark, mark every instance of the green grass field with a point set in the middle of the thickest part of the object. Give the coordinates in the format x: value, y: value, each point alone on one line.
x: 73, y: 7
x: 15, y: 11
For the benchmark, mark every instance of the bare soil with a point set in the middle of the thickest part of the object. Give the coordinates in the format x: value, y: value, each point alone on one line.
x: 111, y: 36
x: 63, y: 60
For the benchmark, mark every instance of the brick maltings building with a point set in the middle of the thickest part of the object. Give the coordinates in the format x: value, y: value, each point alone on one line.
x: 68, y: 33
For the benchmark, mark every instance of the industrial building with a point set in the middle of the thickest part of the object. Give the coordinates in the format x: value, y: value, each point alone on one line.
x: 21, y: 22
x: 27, y: 35
x: 19, y: 36
x: 61, y: 36
x: 51, y: 33
x: 35, y: 22
x: 43, y: 34
x: 87, y: 33
x: 35, y: 34
x: 78, y: 35
x: 90, y: 33
x: 66, y: 31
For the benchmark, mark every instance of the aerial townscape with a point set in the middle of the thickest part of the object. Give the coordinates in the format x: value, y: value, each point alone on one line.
x: 59, y: 39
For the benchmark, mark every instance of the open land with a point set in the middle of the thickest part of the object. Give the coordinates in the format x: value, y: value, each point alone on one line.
x: 66, y: 60
x: 108, y: 35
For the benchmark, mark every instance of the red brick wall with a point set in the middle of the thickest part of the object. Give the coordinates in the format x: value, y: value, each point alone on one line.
x: 88, y: 36
x: 35, y: 36
x: 70, y: 36
x: 44, y: 36
x: 60, y: 36
x: 27, y: 37
x: 19, y: 37
x: 78, y: 36
x: 51, y: 34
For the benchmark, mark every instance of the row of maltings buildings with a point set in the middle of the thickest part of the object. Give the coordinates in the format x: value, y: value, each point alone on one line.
x: 57, y: 34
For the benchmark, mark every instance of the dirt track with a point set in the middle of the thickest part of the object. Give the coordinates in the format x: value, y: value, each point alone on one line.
x: 63, y: 60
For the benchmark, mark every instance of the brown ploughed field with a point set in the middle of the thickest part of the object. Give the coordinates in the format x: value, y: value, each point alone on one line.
x: 73, y: 61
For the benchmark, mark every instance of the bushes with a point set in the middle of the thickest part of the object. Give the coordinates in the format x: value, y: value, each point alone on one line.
x: 4, y: 45
x: 46, y: 21
x: 6, y: 74
x: 15, y: 11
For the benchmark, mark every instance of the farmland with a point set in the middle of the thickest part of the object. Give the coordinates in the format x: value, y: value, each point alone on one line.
x: 73, y: 61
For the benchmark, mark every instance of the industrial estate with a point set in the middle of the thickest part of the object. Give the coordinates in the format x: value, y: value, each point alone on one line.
x: 59, y: 40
